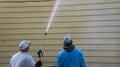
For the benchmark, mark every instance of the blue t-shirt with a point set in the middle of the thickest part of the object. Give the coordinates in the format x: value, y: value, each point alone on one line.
x: 75, y: 58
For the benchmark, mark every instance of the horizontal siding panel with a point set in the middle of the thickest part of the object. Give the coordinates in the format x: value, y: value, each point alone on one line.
x: 3, y: 60
x: 65, y: 13
x: 27, y: 4
x: 97, y: 35
x: 90, y: 7
x: 83, y: 18
x: 38, y: 36
x: 99, y: 47
x: 5, y: 64
x: 37, y: 19
x: 24, y: 15
x: 82, y: 47
x: 2, y: 43
x: 87, y: 1
x: 55, y: 53
x: 62, y: 19
x: 88, y: 53
x: 11, y: 48
x: 53, y: 36
x: 86, y: 24
x: 25, y: 9
x: 89, y: 13
x: 97, y: 41
x: 103, y: 59
x: 23, y: 25
x: 22, y: 31
x: 63, y: 30
x: 64, y: 24
x: 73, y: 30
x: 14, y: 1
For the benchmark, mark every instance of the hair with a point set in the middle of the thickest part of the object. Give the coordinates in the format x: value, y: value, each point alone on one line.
x: 25, y: 50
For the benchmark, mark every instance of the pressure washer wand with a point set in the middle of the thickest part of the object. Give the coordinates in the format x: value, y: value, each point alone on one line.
x: 40, y: 53
x: 44, y: 38
x: 57, y: 3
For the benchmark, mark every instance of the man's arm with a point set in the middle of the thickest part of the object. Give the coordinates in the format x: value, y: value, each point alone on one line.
x: 30, y: 62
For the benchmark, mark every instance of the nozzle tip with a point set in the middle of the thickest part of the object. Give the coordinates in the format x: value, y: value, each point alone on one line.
x: 45, y: 33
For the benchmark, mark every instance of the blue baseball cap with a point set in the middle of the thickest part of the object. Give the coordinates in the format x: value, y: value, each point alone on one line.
x: 68, y: 39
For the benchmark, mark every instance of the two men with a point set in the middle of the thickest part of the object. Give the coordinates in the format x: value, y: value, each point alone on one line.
x: 68, y: 57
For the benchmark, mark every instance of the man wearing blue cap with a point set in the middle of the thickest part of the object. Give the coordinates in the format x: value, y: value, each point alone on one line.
x: 70, y: 56
x: 22, y: 58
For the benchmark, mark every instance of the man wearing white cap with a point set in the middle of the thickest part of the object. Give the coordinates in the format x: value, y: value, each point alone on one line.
x: 22, y: 58
x: 70, y: 56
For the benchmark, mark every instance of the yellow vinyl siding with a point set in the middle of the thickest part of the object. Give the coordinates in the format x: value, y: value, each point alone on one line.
x: 94, y: 25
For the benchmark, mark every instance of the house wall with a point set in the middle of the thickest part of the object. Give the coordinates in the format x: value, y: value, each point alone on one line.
x: 94, y: 25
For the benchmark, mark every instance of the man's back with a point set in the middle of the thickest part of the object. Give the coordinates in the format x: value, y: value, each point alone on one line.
x: 22, y: 59
x: 74, y: 58
x: 70, y: 56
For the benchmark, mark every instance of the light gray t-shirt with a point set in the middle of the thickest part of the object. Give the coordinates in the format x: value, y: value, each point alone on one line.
x: 22, y: 59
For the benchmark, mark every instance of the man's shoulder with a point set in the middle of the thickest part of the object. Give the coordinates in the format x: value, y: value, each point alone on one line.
x: 78, y: 50
x: 22, y: 54
x: 61, y: 51
x: 16, y: 54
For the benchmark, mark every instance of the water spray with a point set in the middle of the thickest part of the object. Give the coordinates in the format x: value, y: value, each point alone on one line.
x: 57, y: 3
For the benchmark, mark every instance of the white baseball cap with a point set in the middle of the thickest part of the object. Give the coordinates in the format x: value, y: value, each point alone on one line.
x: 24, y: 44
